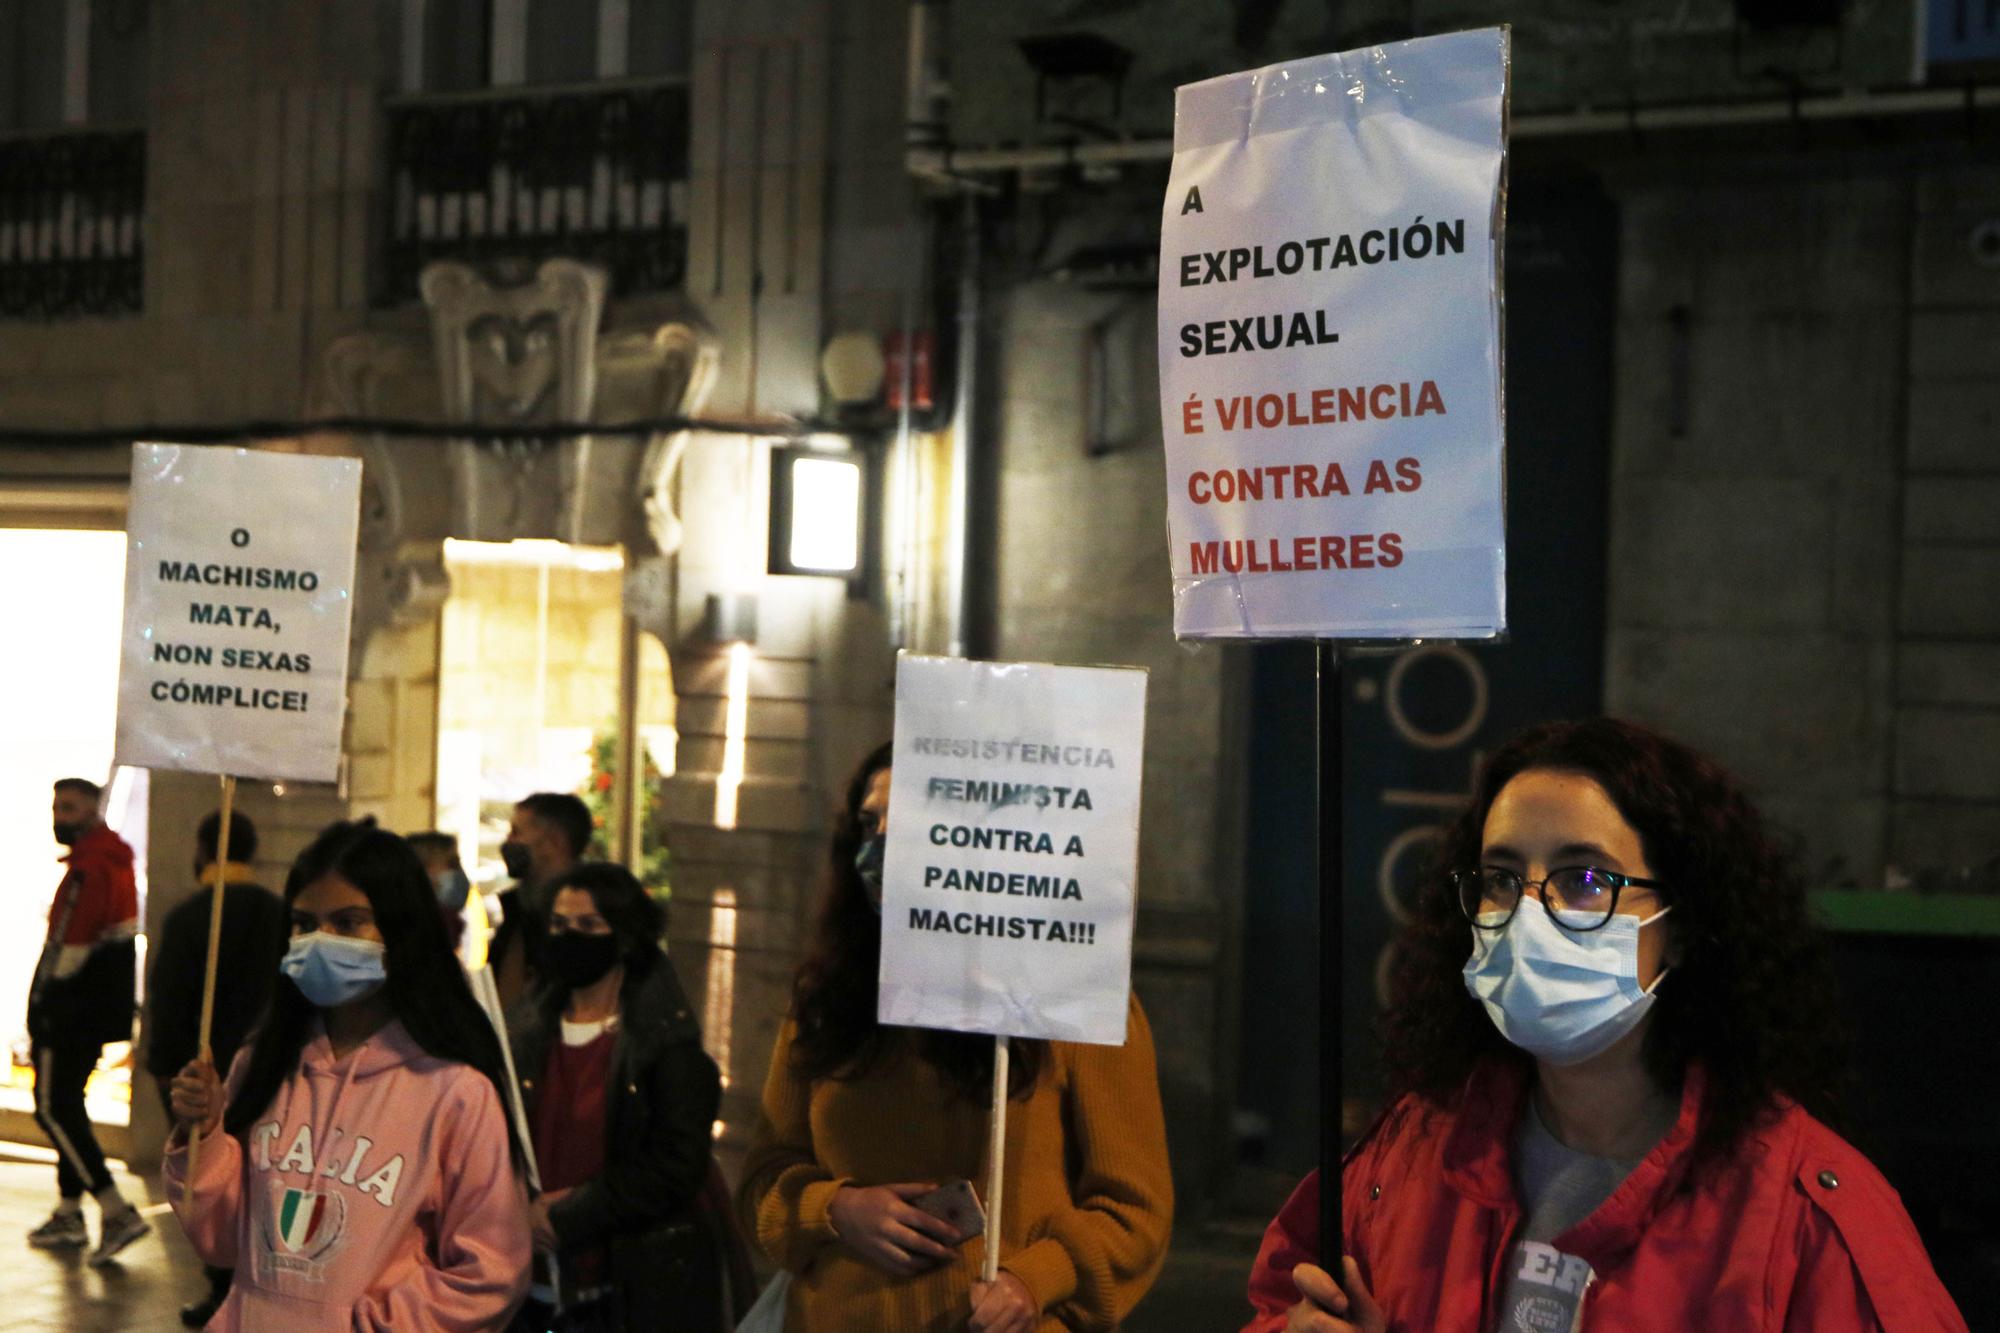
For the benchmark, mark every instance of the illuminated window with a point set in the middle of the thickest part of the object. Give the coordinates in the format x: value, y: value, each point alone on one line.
x: 528, y: 685
x: 817, y: 502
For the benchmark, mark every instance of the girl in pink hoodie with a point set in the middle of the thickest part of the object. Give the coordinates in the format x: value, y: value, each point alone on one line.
x: 363, y: 1176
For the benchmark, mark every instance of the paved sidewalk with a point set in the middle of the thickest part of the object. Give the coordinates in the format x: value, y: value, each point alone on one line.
x: 1200, y: 1291
x: 44, y: 1289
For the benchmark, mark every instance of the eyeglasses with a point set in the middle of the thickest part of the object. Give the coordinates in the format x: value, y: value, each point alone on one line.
x: 1585, y: 896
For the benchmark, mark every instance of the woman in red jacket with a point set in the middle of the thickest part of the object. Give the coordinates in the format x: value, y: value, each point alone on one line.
x: 1611, y: 1036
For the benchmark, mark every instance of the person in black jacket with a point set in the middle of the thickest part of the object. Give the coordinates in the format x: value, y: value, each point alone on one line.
x: 548, y: 834
x: 621, y: 1100
x: 253, y: 940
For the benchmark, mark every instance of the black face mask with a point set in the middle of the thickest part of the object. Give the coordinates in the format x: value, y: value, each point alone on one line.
x: 67, y: 833
x: 514, y: 855
x: 578, y: 960
x: 868, y: 865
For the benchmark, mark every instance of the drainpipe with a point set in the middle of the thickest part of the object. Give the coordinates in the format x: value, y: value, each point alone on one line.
x: 968, y: 539
x: 927, y: 102
x: 968, y: 555
x: 923, y: 130
x: 925, y: 92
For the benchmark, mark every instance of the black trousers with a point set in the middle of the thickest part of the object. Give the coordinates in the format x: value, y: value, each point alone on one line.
x: 62, y: 1067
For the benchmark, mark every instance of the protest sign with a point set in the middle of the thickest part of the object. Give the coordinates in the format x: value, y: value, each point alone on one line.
x: 239, y: 576
x: 1011, y: 863
x: 1330, y: 385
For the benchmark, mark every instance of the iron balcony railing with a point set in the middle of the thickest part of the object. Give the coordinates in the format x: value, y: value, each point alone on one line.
x: 72, y: 224
x: 596, y: 172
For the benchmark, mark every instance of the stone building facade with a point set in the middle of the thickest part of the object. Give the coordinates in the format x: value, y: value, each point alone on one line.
x: 1798, y: 562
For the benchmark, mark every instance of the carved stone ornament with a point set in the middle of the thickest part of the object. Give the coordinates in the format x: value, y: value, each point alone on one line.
x: 501, y: 356
x: 510, y: 356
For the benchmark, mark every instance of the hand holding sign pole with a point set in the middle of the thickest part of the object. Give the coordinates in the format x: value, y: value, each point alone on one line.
x: 239, y: 578
x: 203, y: 1051
x: 1330, y: 383
x: 1010, y: 873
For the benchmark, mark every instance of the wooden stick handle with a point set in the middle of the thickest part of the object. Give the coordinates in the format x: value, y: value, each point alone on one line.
x: 996, y: 1160
x: 217, y: 873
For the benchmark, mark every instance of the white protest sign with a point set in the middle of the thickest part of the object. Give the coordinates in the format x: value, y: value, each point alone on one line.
x: 1330, y: 345
x: 239, y: 579
x: 1011, y: 866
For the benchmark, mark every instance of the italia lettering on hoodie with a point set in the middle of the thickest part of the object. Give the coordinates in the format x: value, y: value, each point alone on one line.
x: 299, y: 1157
x: 311, y: 1216
x: 375, y: 1192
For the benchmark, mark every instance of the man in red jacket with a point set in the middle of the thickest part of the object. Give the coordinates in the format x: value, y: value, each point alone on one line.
x: 82, y: 998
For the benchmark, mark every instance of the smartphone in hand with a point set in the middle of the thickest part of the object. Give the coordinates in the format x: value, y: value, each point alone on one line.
x: 957, y: 1203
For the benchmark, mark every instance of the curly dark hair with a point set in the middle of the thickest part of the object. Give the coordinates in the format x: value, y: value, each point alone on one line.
x: 834, y: 989
x: 1751, y: 997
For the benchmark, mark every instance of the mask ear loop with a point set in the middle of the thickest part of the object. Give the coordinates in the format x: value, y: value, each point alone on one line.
x: 1665, y: 970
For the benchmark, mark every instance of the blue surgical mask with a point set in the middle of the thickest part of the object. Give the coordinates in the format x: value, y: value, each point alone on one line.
x: 452, y: 888
x: 1562, y: 996
x: 868, y: 865
x: 331, y: 970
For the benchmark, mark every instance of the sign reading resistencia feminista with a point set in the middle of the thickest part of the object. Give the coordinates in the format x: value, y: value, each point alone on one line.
x: 1330, y: 346
x: 1012, y: 860
x: 239, y: 580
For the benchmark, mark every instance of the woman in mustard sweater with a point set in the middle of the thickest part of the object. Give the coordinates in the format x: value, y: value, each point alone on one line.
x: 860, y: 1119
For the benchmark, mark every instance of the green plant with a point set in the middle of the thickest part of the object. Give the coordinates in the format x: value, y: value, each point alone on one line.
x: 598, y: 793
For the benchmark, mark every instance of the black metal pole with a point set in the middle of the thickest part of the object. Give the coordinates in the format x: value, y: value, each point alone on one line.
x: 1329, y: 798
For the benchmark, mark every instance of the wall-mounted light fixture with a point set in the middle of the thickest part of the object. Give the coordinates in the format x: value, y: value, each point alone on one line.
x: 818, y: 503
x: 729, y: 617
x: 1073, y: 62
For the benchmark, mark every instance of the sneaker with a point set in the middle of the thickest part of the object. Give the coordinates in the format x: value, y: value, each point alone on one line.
x: 63, y: 1231
x: 120, y: 1229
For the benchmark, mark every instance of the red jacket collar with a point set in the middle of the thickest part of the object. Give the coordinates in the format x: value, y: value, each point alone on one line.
x: 96, y: 843
x: 1479, y: 1157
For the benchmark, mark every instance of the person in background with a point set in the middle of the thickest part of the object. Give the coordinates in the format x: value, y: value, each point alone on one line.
x: 81, y: 998
x: 858, y: 1120
x: 253, y: 939
x: 439, y: 853
x: 1612, y: 1040
x: 359, y: 1172
x: 622, y: 1100
x: 550, y: 831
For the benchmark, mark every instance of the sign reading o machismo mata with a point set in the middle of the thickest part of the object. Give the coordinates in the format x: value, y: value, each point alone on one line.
x: 1330, y: 345
x: 1012, y: 857
x: 239, y: 581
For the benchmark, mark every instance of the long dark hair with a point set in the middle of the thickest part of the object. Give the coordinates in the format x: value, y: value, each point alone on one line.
x: 833, y: 991
x: 426, y: 988
x: 1751, y: 997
